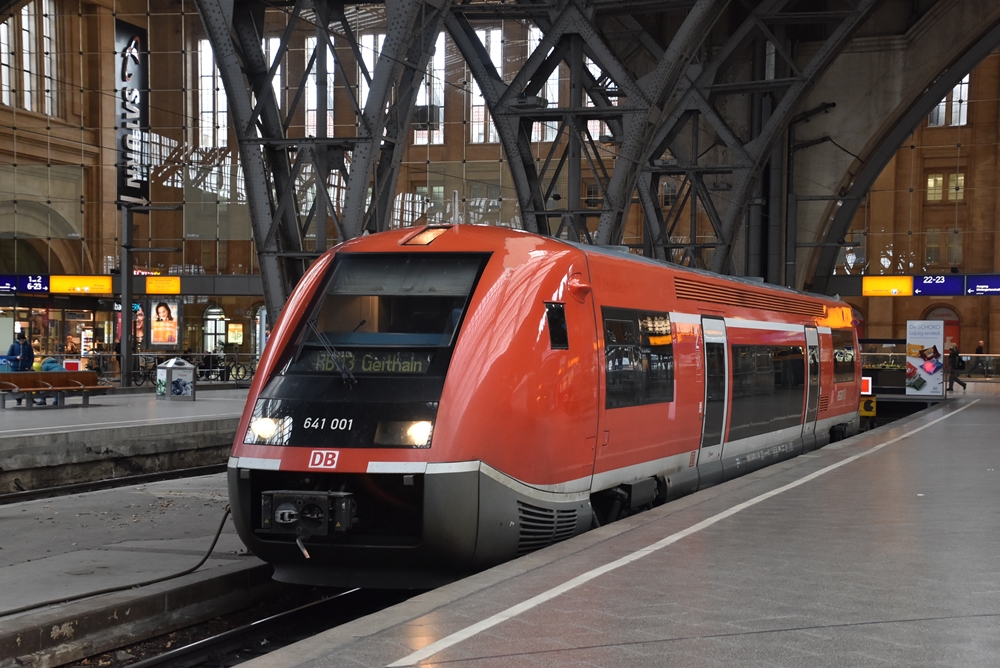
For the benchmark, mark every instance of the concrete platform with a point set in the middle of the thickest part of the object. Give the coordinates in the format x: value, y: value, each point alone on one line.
x: 881, y: 550
x: 57, y: 548
x: 117, y: 435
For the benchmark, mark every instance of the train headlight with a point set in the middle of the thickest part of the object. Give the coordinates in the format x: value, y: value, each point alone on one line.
x: 269, y: 431
x: 414, y: 434
x: 263, y: 427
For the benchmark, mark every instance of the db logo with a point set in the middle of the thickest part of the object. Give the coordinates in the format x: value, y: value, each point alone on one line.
x: 324, y: 459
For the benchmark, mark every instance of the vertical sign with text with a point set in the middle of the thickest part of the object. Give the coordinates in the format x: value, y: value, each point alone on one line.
x: 132, y: 112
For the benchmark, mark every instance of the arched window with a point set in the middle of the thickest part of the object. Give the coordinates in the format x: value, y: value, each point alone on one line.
x: 214, y: 329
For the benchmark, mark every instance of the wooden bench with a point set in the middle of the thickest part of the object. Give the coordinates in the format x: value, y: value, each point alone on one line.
x: 32, y: 385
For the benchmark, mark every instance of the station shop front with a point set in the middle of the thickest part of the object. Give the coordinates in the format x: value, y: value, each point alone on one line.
x: 190, y: 325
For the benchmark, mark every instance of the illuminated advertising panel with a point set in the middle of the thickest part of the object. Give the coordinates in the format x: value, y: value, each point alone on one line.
x: 887, y: 286
x: 163, y: 285
x: 80, y: 285
x: 163, y: 326
x: 925, y: 358
x: 939, y: 285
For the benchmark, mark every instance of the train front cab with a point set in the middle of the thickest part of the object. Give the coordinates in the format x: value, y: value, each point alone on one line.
x: 495, y: 368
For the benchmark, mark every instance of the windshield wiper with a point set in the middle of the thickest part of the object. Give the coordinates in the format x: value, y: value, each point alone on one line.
x: 345, y: 373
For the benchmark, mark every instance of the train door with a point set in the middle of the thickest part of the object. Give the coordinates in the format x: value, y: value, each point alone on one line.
x: 713, y: 429
x: 812, y: 390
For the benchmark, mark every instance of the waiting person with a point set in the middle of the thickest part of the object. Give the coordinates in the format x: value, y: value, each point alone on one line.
x: 20, y: 356
x: 50, y: 364
x: 978, y: 362
x: 955, y: 364
x: 71, y: 347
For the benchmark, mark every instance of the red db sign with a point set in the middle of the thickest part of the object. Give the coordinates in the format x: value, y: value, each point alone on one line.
x: 324, y: 459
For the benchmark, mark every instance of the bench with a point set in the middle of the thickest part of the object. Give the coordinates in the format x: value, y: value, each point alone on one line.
x: 31, y: 385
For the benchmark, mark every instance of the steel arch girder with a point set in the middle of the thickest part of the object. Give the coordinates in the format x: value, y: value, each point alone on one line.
x: 278, y: 275
x: 640, y: 129
x: 760, y: 147
x: 876, y: 161
x: 512, y: 138
x: 400, y: 68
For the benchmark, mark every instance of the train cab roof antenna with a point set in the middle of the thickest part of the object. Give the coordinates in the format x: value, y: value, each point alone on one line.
x: 345, y: 373
x: 456, y: 217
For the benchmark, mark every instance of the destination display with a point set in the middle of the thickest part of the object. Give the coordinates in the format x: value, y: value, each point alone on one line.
x: 939, y: 285
x: 379, y: 362
x: 988, y: 284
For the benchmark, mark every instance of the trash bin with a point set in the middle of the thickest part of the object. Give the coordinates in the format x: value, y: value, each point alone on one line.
x: 175, y: 379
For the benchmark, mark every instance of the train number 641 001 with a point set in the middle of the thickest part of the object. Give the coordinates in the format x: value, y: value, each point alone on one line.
x: 336, y: 424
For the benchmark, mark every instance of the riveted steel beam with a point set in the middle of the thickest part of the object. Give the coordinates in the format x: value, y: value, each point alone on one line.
x: 702, y: 106
x: 412, y: 27
x: 289, y: 178
x: 265, y: 169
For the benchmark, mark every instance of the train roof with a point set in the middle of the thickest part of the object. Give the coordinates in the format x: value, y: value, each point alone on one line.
x: 396, y: 237
x: 623, y: 253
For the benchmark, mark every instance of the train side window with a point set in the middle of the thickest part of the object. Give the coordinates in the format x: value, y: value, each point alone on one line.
x: 844, y: 355
x: 639, y: 359
x: 558, y: 334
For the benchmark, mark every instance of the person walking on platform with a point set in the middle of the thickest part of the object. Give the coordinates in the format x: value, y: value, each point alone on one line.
x: 955, y: 364
x: 20, y: 356
x: 978, y: 362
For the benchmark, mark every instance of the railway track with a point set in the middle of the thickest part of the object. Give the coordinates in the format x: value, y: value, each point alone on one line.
x: 108, y: 483
x: 265, y: 635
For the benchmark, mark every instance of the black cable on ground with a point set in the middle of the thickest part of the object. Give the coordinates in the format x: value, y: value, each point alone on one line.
x: 136, y: 585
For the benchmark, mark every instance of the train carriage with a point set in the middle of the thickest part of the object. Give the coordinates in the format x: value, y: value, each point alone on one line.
x: 437, y: 400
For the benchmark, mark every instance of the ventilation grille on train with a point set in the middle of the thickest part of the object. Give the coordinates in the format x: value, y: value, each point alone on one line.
x: 541, y: 527
x: 687, y: 288
x: 824, y: 402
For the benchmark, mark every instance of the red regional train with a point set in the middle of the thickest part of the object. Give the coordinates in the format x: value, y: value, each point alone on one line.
x: 437, y: 400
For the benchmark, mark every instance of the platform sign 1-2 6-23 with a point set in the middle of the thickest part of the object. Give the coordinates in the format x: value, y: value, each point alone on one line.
x: 939, y: 285
x: 34, y: 283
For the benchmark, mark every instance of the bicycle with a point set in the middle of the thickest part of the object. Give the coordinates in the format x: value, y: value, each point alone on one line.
x: 240, y: 371
x: 101, y: 363
x: 146, y: 370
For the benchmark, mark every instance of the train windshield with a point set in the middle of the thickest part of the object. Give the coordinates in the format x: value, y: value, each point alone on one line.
x: 412, y: 301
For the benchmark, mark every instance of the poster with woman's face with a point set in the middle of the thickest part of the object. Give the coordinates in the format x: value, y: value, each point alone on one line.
x: 163, y: 323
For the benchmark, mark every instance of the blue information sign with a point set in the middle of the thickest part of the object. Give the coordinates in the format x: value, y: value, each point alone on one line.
x: 8, y: 284
x: 941, y: 285
x: 34, y: 283
x: 984, y: 284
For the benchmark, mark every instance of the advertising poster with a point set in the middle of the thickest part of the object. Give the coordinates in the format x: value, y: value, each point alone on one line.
x: 138, y: 323
x: 163, y: 326
x: 234, y: 333
x: 183, y: 384
x: 925, y: 357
